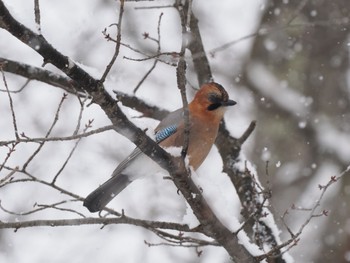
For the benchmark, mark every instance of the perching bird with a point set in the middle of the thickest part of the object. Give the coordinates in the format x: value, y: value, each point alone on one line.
x: 205, y: 113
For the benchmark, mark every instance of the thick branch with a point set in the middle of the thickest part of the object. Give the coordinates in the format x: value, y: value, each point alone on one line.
x: 200, y: 62
x: 141, y: 106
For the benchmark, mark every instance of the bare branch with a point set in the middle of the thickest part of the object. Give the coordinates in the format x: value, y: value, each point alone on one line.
x: 87, y: 126
x: 35, y: 73
x: 70, y: 154
x: 201, y: 63
x: 179, y: 240
x: 146, y: 56
x: 14, y: 122
x: 247, y: 133
x: 173, y: 55
x: 42, y: 207
x: 93, y: 221
x: 41, y: 144
x: 11, y: 149
x: 141, y: 106
x: 82, y: 107
x: 54, y: 139
x: 154, y: 7
x: 7, y: 177
x: 117, y: 46
x: 37, y: 15
x: 158, y: 41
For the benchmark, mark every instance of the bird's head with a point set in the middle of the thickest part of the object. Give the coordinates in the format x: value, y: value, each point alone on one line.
x: 211, y: 99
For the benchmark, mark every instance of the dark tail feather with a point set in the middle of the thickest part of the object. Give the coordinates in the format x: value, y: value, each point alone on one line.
x: 99, y: 198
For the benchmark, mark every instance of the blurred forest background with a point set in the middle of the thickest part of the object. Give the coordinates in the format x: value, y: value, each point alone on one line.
x: 285, y: 62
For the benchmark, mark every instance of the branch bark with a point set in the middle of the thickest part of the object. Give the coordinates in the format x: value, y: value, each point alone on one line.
x: 94, y: 221
x: 35, y: 73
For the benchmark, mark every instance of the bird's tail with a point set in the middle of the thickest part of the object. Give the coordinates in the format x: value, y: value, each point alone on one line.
x: 100, y: 197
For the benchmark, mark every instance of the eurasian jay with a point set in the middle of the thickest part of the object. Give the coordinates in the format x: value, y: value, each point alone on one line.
x: 205, y: 113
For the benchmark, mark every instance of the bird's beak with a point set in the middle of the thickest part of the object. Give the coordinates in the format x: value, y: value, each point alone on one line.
x: 228, y: 103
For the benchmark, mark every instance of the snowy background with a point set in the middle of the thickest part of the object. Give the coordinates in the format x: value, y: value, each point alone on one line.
x: 278, y: 101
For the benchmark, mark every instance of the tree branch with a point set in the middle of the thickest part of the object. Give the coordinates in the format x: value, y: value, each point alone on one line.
x: 117, y: 45
x: 94, y: 221
x: 35, y: 73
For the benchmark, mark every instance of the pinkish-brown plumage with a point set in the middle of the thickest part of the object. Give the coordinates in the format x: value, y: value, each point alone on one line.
x: 204, y: 123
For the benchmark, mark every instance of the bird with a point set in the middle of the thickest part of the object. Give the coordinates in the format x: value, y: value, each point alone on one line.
x: 206, y: 111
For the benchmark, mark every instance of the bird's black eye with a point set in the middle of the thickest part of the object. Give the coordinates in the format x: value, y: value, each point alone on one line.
x: 214, y: 98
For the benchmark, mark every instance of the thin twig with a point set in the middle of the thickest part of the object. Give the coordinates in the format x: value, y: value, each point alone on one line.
x: 158, y: 41
x: 20, y: 89
x: 82, y: 107
x: 37, y: 15
x: 63, y: 138
x: 48, y: 132
x: 71, y: 153
x: 147, y: 57
x: 154, y: 7
x: 11, y: 149
x: 180, y: 238
x: 32, y: 178
x: 14, y: 122
x: 12, y: 172
x: 42, y: 207
x: 117, y: 46
x: 247, y: 132
x: 156, y: 56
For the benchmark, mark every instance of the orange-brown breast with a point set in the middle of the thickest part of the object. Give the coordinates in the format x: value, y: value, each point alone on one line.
x: 202, y: 136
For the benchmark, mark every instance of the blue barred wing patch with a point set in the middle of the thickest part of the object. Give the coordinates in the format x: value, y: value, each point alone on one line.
x: 165, y: 133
